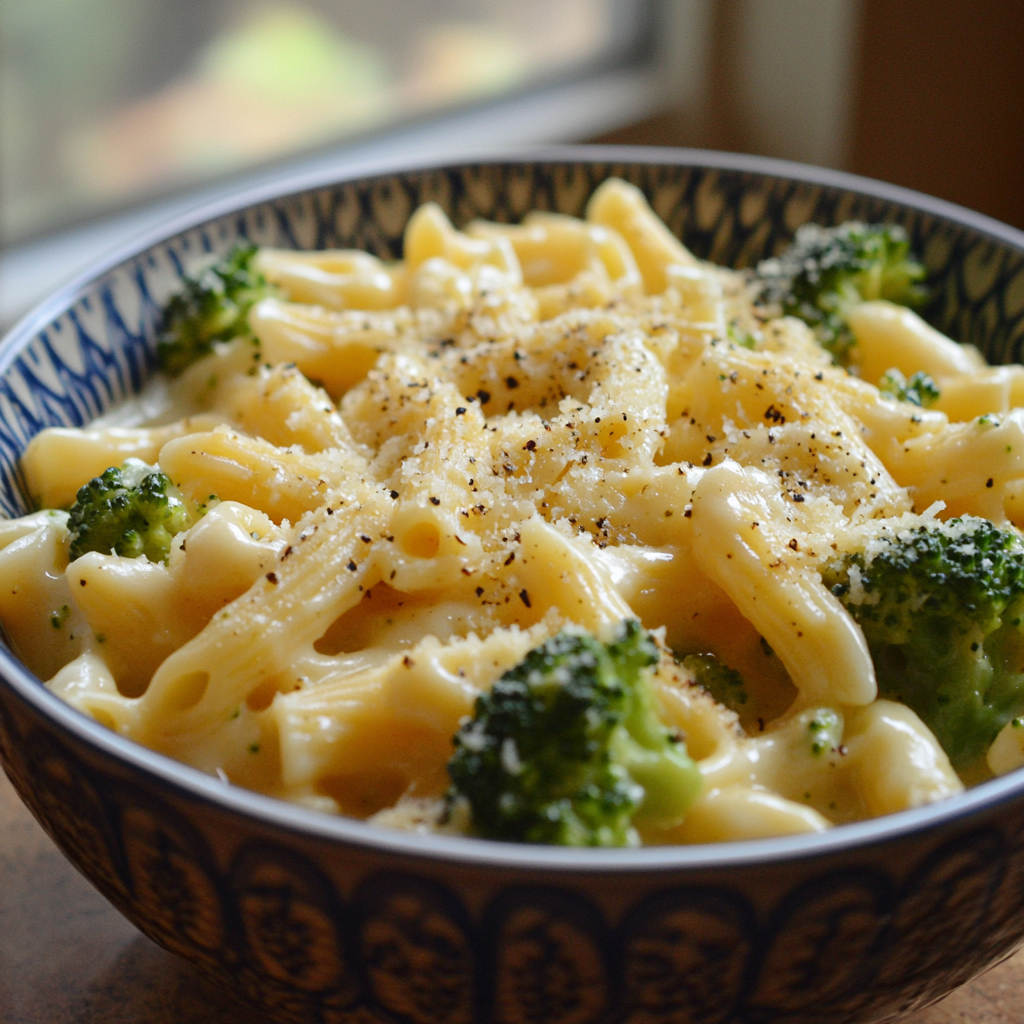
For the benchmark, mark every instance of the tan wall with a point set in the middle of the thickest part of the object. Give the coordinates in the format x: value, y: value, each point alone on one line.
x: 940, y: 100
x: 928, y: 93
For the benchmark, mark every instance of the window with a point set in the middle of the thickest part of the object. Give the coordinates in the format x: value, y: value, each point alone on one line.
x: 108, y: 104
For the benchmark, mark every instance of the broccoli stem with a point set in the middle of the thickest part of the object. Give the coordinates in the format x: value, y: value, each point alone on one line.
x: 941, y: 606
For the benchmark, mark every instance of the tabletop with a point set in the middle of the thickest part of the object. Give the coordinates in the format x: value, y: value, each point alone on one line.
x: 67, y: 957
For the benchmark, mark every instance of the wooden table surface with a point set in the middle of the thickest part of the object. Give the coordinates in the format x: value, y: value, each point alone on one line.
x: 67, y: 957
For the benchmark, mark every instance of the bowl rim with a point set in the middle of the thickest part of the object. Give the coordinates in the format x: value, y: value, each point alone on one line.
x: 184, y: 781
x: 295, y: 184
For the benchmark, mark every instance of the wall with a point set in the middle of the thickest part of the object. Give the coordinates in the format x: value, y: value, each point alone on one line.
x: 925, y: 93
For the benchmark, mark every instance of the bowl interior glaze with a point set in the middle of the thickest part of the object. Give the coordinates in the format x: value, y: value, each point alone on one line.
x: 317, y: 919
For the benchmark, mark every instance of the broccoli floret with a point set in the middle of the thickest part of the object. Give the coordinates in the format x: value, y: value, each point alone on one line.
x: 211, y: 307
x: 738, y: 336
x: 568, y: 748
x: 826, y: 271
x: 132, y: 510
x: 723, y: 683
x: 942, y: 607
x: 920, y: 390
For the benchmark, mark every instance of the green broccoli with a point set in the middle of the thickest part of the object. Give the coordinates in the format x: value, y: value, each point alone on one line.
x: 212, y: 307
x: 723, y: 683
x: 568, y: 748
x: 131, y: 511
x: 920, y: 390
x: 826, y: 271
x: 942, y: 609
x: 738, y: 336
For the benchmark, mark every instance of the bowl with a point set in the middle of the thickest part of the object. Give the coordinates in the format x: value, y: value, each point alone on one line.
x: 316, y: 918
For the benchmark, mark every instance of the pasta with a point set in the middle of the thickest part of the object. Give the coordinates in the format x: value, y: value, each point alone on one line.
x: 423, y: 470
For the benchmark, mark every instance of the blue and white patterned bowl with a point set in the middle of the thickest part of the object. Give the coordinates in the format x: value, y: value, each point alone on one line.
x: 324, y: 919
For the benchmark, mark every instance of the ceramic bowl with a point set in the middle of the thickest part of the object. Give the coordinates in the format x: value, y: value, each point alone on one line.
x: 321, y: 919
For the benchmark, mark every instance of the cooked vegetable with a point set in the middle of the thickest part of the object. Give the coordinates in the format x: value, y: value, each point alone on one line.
x: 826, y: 271
x: 942, y: 610
x: 723, y: 683
x: 212, y: 307
x: 920, y: 390
x: 132, y: 510
x: 568, y: 748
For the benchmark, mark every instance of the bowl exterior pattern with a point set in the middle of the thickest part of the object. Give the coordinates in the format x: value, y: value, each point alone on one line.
x: 313, y: 928
x: 310, y: 930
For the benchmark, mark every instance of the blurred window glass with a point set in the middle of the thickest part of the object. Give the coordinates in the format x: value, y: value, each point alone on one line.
x: 106, y: 104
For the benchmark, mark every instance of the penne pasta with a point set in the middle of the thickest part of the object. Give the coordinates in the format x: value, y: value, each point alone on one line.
x: 408, y: 476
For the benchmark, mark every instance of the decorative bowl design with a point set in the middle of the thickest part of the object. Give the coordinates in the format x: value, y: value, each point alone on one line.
x: 318, y: 919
